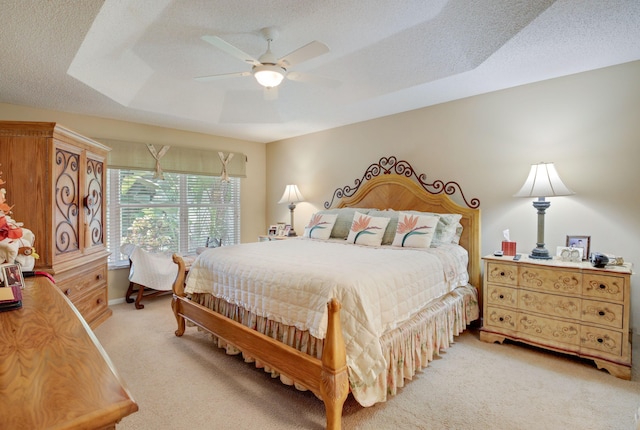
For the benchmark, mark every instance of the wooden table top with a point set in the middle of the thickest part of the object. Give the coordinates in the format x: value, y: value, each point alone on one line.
x: 53, y: 371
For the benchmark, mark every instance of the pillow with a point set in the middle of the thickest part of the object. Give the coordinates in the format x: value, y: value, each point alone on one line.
x: 390, y: 232
x: 447, y: 227
x: 320, y: 226
x: 457, y: 235
x: 415, y: 231
x: 367, y: 230
x: 343, y: 222
x: 446, y: 230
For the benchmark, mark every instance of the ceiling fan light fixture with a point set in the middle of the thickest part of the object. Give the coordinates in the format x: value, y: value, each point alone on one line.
x: 269, y: 75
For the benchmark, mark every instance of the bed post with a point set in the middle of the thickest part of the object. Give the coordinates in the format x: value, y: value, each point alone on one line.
x: 178, y: 291
x: 334, y: 386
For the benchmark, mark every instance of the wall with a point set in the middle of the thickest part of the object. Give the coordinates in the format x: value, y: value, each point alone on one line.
x: 587, y: 124
x: 252, y: 187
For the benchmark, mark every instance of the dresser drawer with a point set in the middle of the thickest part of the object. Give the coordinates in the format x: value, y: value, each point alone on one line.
x: 502, y: 296
x: 502, y: 319
x: 502, y: 273
x: 558, y: 333
x: 609, y: 314
x: 604, y: 287
x: 601, y: 340
x: 78, y: 285
x: 549, y: 304
x: 93, y: 304
x: 551, y: 280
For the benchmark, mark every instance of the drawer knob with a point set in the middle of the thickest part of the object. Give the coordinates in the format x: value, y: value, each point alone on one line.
x: 501, y: 296
x: 501, y: 319
x: 601, y: 313
x: 99, y: 276
x: 99, y: 301
x: 67, y: 291
x: 600, y: 340
x: 602, y: 286
x: 501, y: 273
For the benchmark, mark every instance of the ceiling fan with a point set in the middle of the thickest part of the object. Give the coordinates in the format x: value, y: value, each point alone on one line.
x: 270, y: 70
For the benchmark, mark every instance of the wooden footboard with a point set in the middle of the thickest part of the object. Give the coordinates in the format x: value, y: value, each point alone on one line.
x: 327, y: 378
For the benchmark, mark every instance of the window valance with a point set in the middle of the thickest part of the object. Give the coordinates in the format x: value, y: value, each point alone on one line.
x: 174, y: 159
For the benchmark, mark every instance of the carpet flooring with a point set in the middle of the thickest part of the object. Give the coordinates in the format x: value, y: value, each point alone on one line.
x: 187, y: 383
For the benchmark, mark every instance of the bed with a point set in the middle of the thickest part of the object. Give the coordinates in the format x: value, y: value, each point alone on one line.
x: 325, y: 314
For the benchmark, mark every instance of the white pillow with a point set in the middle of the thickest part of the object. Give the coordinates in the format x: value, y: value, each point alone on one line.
x: 367, y: 230
x: 415, y: 231
x: 320, y: 226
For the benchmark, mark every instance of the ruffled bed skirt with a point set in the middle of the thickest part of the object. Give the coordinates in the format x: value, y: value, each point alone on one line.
x: 407, y: 349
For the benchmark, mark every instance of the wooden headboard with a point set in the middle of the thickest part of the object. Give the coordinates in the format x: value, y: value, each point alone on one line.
x: 392, y: 184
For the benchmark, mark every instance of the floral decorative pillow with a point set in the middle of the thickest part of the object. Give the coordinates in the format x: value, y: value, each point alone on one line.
x: 367, y: 230
x: 390, y: 232
x: 320, y: 226
x: 343, y: 222
x: 415, y: 231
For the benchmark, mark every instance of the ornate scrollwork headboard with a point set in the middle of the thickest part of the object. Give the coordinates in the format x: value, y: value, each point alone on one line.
x: 391, y: 165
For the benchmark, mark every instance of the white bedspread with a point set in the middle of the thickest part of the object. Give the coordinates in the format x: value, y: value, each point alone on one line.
x: 291, y: 281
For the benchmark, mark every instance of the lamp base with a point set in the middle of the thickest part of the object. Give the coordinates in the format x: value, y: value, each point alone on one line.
x: 292, y: 233
x: 540, y: 254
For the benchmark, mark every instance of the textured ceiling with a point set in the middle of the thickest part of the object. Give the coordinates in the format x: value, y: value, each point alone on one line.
x: 135, y: 60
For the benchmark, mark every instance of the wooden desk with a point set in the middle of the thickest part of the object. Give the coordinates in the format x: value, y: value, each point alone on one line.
x: 53, y: 371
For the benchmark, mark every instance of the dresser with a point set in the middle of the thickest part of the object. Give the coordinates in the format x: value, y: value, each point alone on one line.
x: 55, y: 373
x: 56, y: 179
x: 566, y: 307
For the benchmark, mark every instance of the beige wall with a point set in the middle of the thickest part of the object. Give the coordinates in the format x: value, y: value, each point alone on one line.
x: 252, y: 187
x: 587, y: 124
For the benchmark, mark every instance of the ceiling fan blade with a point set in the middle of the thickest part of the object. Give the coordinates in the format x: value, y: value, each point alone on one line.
x: 270, y: 93
x: 230, y: 49
x: 223, y: 76
x: 307, y: 52
x: 313, y: 79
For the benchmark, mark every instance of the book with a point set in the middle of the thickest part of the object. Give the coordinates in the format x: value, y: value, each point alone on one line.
x: 10, y: 298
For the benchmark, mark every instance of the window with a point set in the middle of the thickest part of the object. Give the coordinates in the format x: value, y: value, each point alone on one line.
x: 176, y: 214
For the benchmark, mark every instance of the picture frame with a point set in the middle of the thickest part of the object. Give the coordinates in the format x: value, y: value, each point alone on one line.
x: 281, y: 228
x: 273, y: 230
x: 11, y: 275
x: 583, y: 242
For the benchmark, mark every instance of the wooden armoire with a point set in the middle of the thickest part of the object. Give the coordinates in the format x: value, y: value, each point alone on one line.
x: 56, y: 180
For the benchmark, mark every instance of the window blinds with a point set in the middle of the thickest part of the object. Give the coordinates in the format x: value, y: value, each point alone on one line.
x: 175, y: 159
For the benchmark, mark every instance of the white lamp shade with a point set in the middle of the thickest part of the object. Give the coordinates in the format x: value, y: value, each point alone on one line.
x: 291, y: 195
x: 543, y: 181
x: 268, y: 75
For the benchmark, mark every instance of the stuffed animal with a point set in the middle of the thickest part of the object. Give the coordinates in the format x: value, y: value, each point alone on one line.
x: 10, y: 232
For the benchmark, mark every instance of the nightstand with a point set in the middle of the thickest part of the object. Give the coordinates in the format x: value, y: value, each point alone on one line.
x: 572, y: 308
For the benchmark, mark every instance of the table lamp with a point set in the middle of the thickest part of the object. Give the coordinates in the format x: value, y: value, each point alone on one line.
x: 543, y: 181
x: 292, y: 196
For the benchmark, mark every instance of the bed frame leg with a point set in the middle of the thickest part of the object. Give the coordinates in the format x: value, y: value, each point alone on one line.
x: 178, y: 291
x: 334, y: 387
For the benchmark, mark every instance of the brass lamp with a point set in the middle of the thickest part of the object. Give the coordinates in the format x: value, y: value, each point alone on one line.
x: 292, y: 195
x: 543, y: 181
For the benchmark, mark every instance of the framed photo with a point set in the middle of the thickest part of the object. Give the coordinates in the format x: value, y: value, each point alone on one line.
x: 287, y: 229
x: 281, y: 227
x: 273, y: 230
x: 12, y: 275
x: 580, y: 242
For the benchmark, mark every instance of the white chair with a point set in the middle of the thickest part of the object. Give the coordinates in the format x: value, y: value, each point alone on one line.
x: 152, y: 273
